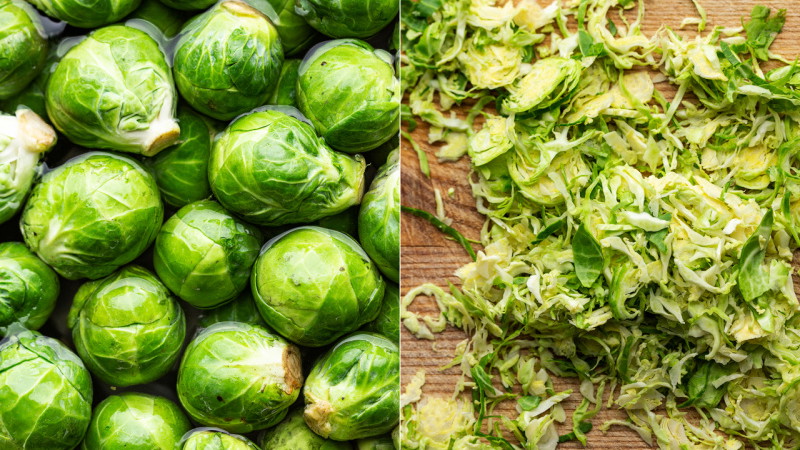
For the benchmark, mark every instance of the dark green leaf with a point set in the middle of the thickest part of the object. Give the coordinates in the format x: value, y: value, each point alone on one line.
x: 753, y: 276
x: 443, y: 227
x: 529, y: 402
x: 762, y: 29
x: 587, y: 256
x: 549, y: 230
x: 584, y: 427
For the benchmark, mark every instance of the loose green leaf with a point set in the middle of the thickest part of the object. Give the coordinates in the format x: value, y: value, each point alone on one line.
x: 587, y: 255
x: 753, y: 276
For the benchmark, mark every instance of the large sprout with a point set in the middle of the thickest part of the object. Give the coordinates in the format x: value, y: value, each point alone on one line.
x: 23, y: 46
x: 227, y: 60
x: 114, y: 90
x: 87, y: 14
x: 379, y: 219
x: 92, y: 214
x: 204, y: 255
x: 239, y: 377
x: 181, y: 171
x: 388, y: 321
x: 312, y: 285
x: 28, y: 288
x: 294, y: 434
x: 241, y: 309
x: 127, y: 328
x: 285, y: 92
x: 348, y: 18
x: 351, y: 95
x: 155, y: 12
x: 215, y: 439
x: 272, y: 169
x: 353, y: 391
x: 46, y: 394
x: 296, y: 34
x: 137, y: 422
x: 24, y: 137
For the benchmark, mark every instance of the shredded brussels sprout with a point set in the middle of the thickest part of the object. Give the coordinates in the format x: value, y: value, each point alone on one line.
x: 637, y: 240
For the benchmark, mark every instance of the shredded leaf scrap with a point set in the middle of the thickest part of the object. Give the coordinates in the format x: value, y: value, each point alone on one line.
x: 640, y: 243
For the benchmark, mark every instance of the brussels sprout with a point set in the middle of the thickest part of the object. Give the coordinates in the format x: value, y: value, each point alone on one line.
x: 344, y: 222
x: 296, y: 34
x: 91, y: 215
x: 228, y: 60
x: 285, y: 92
x: 32, y: 96
x: 23, y: 47
x: 46, y: 394
x: 379, y: 219
x: 127, y: 327
x: 215, y: 439
x: 189, y: 5
x: 313, y: 285
x: 350, y: 94
x: 239, y: 377
x: 87, y: 14
x: 384, y: 442
x: 204, y: 255
x: 136, y: 421
x: 294, y: 434
x: 348, y: 18
x: 388, y: 321
x: 353, y: 391
x: 272, y: 169
x: 24, y: 137
x: 241, y: 309
x: 181, y: 171
x: 114, y: 90
x: 28, y: 288
x: 167, y: 20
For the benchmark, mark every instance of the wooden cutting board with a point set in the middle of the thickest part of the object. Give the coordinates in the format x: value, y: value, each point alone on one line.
x: 427, y: 256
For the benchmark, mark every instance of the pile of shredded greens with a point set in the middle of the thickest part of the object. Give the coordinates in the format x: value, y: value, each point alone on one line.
x: 640, y: 243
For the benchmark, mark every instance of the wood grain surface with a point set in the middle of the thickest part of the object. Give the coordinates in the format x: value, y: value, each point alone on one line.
x: 427, y: 256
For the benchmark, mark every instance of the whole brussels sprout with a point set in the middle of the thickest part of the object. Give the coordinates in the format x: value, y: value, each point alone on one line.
x: 350, y: 94
x: 241, y: 309
x: 227, y: 60
x: 348, y: 18
x: 383, y: 442
x: 167, y: 20
x: 388, y: 321
x: 87, y: 14
x: 239, y: 377
x: 294, y: 434
x: 379, y: 219
x: 296, y: 34
x: 92, y: 214
x: 312, y: 285
x: 114, y: 90
x: 33, y: 95
x: 204, y: 255
x: 272, y: 169
x: 46, y: 394
x: 24, y: 137
x: 136, y: 421
x: 127, y: 327
x: 353, y: 391
x: 28, y: 288
x: 215, y: 439
x: 24, y: 46
x: 285, y: 92
x: 181, y: 171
